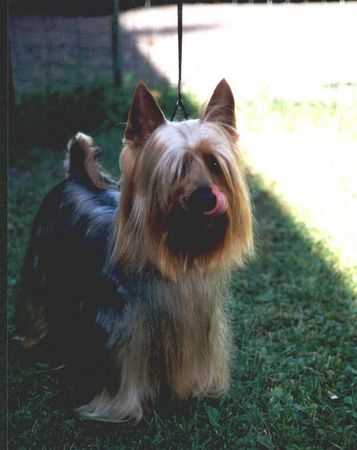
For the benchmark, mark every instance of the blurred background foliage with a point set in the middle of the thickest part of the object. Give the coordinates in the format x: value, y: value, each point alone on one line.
x: 50, y: 120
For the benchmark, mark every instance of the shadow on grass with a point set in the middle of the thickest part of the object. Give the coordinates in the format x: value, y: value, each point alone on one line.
x: 293, y: 378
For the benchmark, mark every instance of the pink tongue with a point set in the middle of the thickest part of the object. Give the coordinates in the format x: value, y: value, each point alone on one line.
x: 221, y: 203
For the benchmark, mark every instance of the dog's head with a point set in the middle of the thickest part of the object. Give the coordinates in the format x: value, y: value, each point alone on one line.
x: 184, y: 197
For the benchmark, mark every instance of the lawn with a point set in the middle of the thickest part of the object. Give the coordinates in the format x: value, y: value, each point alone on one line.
x: 294, y: 372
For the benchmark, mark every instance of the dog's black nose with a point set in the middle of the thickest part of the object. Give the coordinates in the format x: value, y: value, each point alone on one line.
x: 202, y: 200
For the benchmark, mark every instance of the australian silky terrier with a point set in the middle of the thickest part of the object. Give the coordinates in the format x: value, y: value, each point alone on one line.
x: 129, y: 285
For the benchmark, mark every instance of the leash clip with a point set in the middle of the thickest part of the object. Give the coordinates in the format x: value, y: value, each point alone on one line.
x: 179, y: 106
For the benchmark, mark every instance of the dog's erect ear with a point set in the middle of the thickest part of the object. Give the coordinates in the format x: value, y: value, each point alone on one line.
x: 144, y: 116
x: 221, y: 106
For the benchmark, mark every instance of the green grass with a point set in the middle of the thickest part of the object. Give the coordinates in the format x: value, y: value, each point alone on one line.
x: 334, y: 108
x: 294, y: 372
x: 306, y: 153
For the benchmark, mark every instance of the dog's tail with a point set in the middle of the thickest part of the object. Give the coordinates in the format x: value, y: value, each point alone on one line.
x: 82, y: 162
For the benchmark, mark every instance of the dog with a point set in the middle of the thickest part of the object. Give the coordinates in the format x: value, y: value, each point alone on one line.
x: 129, y: 285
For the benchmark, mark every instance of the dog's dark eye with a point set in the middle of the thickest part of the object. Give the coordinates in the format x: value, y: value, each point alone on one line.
x: 213, y: 165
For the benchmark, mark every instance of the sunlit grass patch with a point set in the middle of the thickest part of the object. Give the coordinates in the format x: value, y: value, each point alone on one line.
x: 333, y: 108
x: 306, y: 153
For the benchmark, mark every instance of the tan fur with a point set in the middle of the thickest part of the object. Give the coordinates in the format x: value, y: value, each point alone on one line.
x: 173, y: 330
x: 179, y: 335
x: 194, y: 347
x: 148, y: 185
x: 82, y: 161
x: 135, y: 387
x: 196, y: 337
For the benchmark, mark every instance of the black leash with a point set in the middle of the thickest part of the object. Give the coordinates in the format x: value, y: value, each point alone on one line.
x: 179, y: 104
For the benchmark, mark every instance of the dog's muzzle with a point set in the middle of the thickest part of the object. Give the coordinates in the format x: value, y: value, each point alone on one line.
x: 208, y: 201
